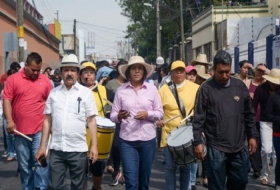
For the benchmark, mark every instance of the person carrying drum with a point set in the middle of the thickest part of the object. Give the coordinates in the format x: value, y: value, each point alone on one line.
x: 69, y: 108
x: 181, y: 91
x: 136, y: 106
x: 223, y: 110
x: 99, y: 92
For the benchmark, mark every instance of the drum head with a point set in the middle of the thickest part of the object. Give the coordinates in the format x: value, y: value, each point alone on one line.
x: 181, y: 135
x: 104, y: 122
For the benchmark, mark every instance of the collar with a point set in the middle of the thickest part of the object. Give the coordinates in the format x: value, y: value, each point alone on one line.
x: 224, y: 86
x: 24, y: 76
x: 128, y: 84
x: 181, y: 84
x: 76, y: 86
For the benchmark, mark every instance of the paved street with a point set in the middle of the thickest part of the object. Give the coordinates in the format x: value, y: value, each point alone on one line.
x: 8, y: 181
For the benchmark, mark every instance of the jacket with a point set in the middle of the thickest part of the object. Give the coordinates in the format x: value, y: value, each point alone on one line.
x: 272, y: 111
x: 225, y: 114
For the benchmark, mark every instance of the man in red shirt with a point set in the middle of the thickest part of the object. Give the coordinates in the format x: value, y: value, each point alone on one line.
x: 24, y: 97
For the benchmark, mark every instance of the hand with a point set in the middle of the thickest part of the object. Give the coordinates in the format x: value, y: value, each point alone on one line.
x: 93, y: 154
x: 199, y: 152
x: 262, y: 67
x: 252, y: 146
x: 141, y: 115
x: 123, y: 114
x: 160, y: 123
x: 249, y: 65
x: 41, y: 152
x: 203, y: 135
x: 11, y: 126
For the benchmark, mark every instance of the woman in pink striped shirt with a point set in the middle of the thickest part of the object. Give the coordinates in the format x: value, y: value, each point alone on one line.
x: 137, y: 106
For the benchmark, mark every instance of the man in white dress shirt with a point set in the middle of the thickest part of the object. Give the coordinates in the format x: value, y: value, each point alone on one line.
x: 69, y: 108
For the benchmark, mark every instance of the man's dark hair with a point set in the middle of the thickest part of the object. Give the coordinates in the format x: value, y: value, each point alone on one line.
x: 15, y: 65
x: 222, y: 57
x: 127, y: 73
x: 10, y: 72
x: 34, y: 57
x: 241, y: 63
x: 165, y: 68
x: 47, y: 69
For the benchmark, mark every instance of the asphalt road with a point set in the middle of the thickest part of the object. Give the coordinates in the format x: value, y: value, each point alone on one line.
x: 8, y: 181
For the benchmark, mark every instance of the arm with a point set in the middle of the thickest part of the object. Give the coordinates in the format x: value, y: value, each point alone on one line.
x: 269, y: 110
x: 91, y: 123
x: 249, y: 116
x: 157, y: 112
x: 45, y: 136
x: 199, y: 115
x: 116, y: 108
x: 8, y: 114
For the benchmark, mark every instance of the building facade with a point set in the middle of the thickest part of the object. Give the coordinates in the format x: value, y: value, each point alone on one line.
x: 37, y: 37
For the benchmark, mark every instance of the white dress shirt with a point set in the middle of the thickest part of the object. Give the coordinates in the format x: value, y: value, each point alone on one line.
x: 69, y: 118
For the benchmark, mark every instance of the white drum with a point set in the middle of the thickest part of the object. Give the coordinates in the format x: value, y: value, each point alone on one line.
x: 179, y: 143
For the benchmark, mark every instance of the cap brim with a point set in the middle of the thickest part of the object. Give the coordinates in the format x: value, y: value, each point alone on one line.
x: 272, y: 80
x: 149, y: 68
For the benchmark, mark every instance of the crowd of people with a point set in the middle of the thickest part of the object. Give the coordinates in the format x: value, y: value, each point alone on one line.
x: 50, y: 121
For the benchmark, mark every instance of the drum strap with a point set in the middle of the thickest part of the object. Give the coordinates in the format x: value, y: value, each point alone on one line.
x: 96, y: 89
x: 180, y: 104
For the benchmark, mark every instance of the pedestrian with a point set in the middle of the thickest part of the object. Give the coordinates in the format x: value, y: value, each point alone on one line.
x: 99, y: 92
x: 69, y: 108
x: 223, y: 110
x: 261, y: 95
x: 179, y: 102
x: 114, y: 162
x: 25, y: 94
x: 136, y: 106
x: 272, y: 114
x: 191, y: 73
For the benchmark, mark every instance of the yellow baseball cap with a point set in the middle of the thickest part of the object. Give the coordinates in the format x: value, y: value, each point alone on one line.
x: 177, y: 64
x: 89, y: 64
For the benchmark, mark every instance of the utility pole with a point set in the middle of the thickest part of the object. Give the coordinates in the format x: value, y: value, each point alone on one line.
x: 75, y: 36
x: 222, y: 26
x: 182, y: 31
x: 158, y: 29
x: 56, y: 15
x: 20, y: 31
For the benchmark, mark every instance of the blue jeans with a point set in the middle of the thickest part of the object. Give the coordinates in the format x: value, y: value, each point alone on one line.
x: 276, y: 143
x: 170, y: 173
x: 137, y: 159
x: 227, y: 170
x: 26, y: 152
x: 9, y: 139
x: 194, y: 168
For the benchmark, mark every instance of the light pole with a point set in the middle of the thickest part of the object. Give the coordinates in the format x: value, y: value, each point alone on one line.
x: 182, y: 31
x: 158, y: 26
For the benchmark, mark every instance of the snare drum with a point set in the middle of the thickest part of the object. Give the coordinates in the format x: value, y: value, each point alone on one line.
x: 179, y: 143
x: 105, y: 136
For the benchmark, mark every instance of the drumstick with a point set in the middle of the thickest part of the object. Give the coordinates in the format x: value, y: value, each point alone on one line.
x: 171, y: 119
x: 110, y: 103
x: 23, y: 135
x: 48, y: 146
x: 186, y: 118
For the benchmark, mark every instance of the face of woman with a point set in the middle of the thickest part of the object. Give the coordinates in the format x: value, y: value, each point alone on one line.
x: 136, y: 72
x: 259, y: 73
x: 88, y: 76
x: 191, y: 76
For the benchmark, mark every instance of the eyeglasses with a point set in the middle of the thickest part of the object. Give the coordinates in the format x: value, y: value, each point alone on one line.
x: 89, y: 72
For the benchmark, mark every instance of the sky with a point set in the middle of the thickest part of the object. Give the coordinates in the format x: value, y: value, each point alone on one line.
x: 101, y: 18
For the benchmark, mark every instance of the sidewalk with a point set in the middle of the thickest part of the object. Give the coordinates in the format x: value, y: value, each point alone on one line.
x: 8, y: 181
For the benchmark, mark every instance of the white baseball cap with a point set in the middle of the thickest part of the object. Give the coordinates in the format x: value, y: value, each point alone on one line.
x: 160, y: 61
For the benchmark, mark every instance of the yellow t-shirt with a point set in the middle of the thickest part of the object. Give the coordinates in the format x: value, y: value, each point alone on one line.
x: 187, y: 94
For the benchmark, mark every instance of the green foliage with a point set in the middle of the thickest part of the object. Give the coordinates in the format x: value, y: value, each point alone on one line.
x: 142, y: 27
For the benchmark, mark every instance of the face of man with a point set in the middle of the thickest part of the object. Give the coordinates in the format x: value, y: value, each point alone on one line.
x: 178, y: 75
x: 88, y: 76
x: 69, y: 75
x: 32, y: 70
x: 222, y: 73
